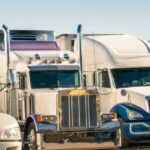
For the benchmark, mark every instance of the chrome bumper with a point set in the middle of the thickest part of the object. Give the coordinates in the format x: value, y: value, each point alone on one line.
x: 110, y: 126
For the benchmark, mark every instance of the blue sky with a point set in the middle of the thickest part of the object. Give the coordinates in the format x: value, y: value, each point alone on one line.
x: 63, y: 16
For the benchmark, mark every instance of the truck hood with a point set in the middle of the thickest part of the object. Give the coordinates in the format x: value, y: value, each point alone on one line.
x: 45, y: 101
x: 7, y: 122
x: 139, y: 96
x: 143, y: 91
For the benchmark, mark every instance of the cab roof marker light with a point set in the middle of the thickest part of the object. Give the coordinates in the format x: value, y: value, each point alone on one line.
x: 52, y: 61
x: 45, y: 61
x: 58, y: 60
x: 71, y: 61
x: 30, y: 60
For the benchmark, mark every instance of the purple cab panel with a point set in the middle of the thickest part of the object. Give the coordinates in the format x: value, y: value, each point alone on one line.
x: 31, y: 45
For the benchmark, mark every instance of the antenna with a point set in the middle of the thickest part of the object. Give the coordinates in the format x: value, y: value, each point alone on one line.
x: 94, y: 51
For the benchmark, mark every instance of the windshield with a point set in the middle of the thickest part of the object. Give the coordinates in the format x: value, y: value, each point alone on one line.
x: 131, y: 77
x: 54, y: 79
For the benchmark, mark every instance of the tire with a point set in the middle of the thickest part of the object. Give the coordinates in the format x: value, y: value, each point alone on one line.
x: 31, y: 138
x: 123, y: 142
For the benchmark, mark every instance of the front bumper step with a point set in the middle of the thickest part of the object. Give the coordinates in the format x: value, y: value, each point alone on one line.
x: 79, y: 146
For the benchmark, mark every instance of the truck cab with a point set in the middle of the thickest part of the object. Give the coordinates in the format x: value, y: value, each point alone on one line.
x: 118, y: 66
x: 46, y: 97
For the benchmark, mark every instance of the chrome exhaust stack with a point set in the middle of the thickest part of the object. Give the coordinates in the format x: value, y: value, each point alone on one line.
x: 79, y: 37
x: 7, y: 44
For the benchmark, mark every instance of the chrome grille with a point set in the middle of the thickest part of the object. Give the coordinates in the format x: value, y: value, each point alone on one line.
x: 78, y: 111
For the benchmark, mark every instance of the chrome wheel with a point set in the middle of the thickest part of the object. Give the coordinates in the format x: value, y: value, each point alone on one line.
x: 31, y: 138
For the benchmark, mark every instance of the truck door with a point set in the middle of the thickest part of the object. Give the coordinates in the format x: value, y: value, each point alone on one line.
x: 106, y: 92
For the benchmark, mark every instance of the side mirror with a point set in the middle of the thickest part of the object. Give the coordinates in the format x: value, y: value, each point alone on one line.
x: 96, y: 79
x: 84, y: 81
x: 12, y: 77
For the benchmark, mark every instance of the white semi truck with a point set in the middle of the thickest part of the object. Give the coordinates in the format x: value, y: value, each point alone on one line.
x: 119, y: 66
x: 10, y: 135
x: 42, y: 90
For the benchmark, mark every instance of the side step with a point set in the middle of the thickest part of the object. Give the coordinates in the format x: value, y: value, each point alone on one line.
x: 79, y: 146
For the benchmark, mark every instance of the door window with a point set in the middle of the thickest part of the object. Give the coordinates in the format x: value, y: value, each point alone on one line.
x: 104, y: 79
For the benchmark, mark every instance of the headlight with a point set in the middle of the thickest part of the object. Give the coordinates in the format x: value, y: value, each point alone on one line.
x: 47, y: 119
x: 108, y: 117
x: 11, y: 134
x: 134, y: 115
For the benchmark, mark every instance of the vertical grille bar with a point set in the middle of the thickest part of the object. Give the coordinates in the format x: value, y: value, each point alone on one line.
x: 93, y: 113
x: 88, y: 110
x: 75, y: 108
x: 69, y: 103
x: 71, y: 111
x: 79, y: 110
x: 65, y: 111
x: 82, y: 111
